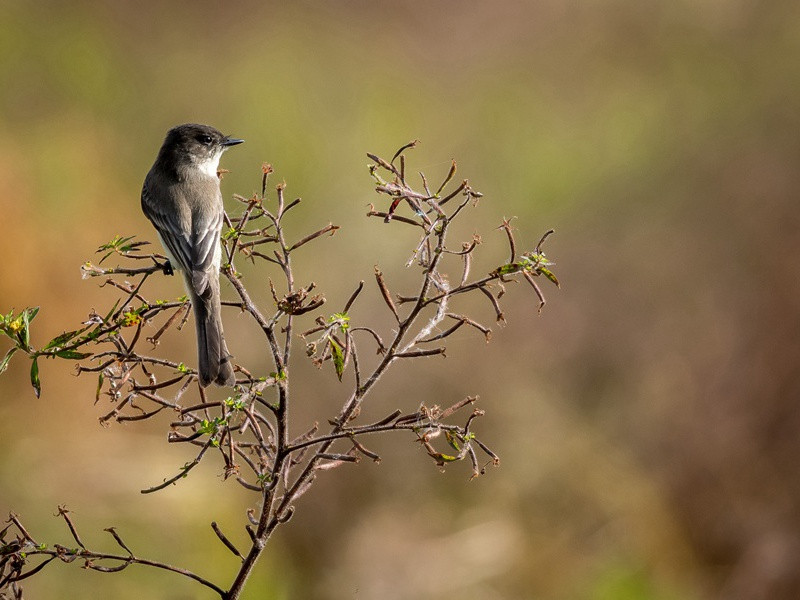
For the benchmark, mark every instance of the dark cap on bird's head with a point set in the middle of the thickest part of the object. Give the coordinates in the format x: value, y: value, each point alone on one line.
x: 192, y: 143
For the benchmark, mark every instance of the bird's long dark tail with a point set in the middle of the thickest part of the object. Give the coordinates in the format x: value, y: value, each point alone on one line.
x: 214, y: 360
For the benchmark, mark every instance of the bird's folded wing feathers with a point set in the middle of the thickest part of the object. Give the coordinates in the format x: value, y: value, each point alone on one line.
x: 206, y: 239
x: 195, y: 250
x: 205, y: 249
x: 167, y: 223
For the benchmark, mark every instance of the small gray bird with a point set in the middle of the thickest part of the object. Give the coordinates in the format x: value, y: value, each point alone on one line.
x: 182, y: 199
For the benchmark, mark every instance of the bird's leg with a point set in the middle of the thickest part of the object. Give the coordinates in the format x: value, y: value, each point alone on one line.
x: 167, y: 268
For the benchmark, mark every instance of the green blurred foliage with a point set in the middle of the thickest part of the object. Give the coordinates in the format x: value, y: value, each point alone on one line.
x: 647, y: 421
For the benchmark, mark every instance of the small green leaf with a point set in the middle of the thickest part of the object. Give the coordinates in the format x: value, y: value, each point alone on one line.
x: 342, y: 318
x: 25, y: 332
x: 100, y: 379
x: 453, y: 441
x: 73, y: 354
x: 6, y: 359
x: 211, y: 427
x: 550, y: 275
x: 338, y: 357
x: 93, y: 335
x: 444, y: 457
x: 507, y: 269
x: 37, y: 385
x: 64, y: 338
x: 111, y: 312
x: 119, y: 245
x: 235, y: 403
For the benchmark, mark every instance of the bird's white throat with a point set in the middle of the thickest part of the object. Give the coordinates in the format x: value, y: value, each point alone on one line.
x: 210, y: 165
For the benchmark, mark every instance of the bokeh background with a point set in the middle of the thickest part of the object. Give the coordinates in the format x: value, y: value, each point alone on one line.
x: 647, y: 422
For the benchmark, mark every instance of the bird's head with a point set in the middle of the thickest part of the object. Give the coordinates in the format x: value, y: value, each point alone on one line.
x: 197, y: 145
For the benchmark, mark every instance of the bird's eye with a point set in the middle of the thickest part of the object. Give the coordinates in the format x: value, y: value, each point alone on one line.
x: 204, y: 139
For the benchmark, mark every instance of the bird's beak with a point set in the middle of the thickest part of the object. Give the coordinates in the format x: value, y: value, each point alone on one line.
x: 229, y: 141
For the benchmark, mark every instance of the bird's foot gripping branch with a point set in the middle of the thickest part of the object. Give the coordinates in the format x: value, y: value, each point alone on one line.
x: 249, y: 431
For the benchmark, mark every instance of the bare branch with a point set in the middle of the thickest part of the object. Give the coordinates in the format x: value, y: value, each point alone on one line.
x: 353, y: 297
x: 420, y: 353
x: 184, y: 471
x: 387, y: 296
x: 328, y: 228
x: 408, y: 146
x: 506, y: 226
x: 228, y: 544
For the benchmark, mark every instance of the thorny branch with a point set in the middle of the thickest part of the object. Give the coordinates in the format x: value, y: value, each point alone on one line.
x: 249, y: 430
x: 18, y: 550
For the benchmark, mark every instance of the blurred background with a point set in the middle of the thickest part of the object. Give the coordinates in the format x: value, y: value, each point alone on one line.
x: 647, y: 421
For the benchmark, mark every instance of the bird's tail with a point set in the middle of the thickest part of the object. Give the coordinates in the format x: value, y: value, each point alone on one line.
x: 212, y: 354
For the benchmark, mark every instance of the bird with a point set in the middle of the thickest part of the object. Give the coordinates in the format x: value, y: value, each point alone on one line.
x: 182, y: 199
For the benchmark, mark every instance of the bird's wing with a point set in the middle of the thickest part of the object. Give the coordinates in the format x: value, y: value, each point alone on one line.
x: 206, y: 227
x: 165, y: 216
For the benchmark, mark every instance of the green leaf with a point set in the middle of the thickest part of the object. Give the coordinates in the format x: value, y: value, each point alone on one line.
x: 338, y: 357
x: 342, y: 318
x: 444, y: 457
x: 235, y: 403
x: 211, y: 427
x: 73, y: 354
x: 64, y: 338
x: 550, y: 275
x: 453, y: 441
x: 119, y: 245
x: 111, y: 312
x: 37, y: 385
x: 6, y: 359
x: 28, y: 315
x: 100, y: 379
x: 507, y: 269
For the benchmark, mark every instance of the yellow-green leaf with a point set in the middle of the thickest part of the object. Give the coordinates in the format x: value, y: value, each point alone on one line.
x: 338, y: 357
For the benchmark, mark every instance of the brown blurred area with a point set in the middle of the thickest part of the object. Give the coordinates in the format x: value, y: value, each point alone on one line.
x: 647, y: 422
